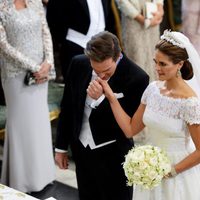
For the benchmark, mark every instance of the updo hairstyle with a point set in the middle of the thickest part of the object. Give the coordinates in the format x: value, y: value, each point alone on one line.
x: 176, y: 55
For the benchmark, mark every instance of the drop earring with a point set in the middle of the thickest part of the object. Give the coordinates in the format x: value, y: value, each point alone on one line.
x: 178, y: 73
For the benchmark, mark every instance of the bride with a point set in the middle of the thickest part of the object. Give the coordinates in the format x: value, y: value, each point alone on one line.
x: 170, y: 108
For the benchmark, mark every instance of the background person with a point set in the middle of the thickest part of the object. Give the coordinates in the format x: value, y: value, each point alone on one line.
x: 191, y: 21
x: 72, y: 24
x: 25, y: 44
x: 139, y: 34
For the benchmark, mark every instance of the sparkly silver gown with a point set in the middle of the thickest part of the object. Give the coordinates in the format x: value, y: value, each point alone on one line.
x: 25, y: 42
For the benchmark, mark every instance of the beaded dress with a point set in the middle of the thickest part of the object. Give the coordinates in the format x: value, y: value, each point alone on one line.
x: 25, y: 42
x: 191, y: 21
x: 167, y: 119
x: 138, y: 42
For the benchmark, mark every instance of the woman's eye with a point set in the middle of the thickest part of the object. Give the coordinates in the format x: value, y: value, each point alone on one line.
x: 162, y: 64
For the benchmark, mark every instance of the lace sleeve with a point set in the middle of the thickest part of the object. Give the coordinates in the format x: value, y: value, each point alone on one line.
x: 144, y: 97
x: 47, y: 40
x: 9, y: 51
x: 191, y: 111
x: 146, y: 94
x: 128, y: 8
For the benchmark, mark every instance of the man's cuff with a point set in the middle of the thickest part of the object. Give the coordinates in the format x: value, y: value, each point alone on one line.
x: 60, y: 150
x: 96, y: 103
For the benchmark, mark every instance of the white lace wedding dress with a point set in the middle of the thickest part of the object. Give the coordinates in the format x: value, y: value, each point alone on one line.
x: 166, y: 119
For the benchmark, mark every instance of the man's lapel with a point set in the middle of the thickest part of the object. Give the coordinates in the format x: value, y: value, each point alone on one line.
x: 83, y: 85
x: 116, y: 81
x: 85, y: 6
x: 105, y: 7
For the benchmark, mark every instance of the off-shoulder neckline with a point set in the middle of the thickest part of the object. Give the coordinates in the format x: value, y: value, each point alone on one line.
x: 156, y: 84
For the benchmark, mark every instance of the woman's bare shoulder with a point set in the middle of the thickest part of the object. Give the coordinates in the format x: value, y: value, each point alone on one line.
x: 187, y: 92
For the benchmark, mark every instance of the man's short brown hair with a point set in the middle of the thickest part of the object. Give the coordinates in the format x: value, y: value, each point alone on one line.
x: 102, y: 46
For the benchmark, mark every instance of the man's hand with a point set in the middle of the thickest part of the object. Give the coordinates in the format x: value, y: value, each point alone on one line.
x: 61, y: 160
x: 107, y: 90
x: 94, y: 89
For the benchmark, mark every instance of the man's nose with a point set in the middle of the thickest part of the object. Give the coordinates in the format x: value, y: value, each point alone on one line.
x: 101, y: 75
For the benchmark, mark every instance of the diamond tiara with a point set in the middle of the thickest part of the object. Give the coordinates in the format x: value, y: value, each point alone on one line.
x: 169, y: 36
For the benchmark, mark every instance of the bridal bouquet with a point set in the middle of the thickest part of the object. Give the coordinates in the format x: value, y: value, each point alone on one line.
x: 146, y: 166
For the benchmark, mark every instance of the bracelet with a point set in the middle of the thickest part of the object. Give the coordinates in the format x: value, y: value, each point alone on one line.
x: 147, y: 23
x: 173, y: 171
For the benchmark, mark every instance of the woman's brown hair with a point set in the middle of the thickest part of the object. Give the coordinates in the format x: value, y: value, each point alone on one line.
x: 176, y: 55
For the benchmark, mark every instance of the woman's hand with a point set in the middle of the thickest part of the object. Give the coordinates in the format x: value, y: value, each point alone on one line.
x: 157, y: 16
x: 157, y: 19
x: 140, y: 19
x: 42, y: 75
x: 107, y: 90
x: 171, y: 174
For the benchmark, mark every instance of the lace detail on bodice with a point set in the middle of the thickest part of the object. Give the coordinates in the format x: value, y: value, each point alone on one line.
x: 187, y: 109
x: 25, y: 40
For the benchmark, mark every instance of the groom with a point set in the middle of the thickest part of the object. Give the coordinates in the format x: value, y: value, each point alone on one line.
x: 87, y: 124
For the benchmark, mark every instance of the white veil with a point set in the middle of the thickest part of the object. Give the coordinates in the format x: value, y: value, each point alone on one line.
x: 178, y: 39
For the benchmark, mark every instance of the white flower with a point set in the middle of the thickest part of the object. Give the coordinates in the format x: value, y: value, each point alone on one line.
x: 146, y: 166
